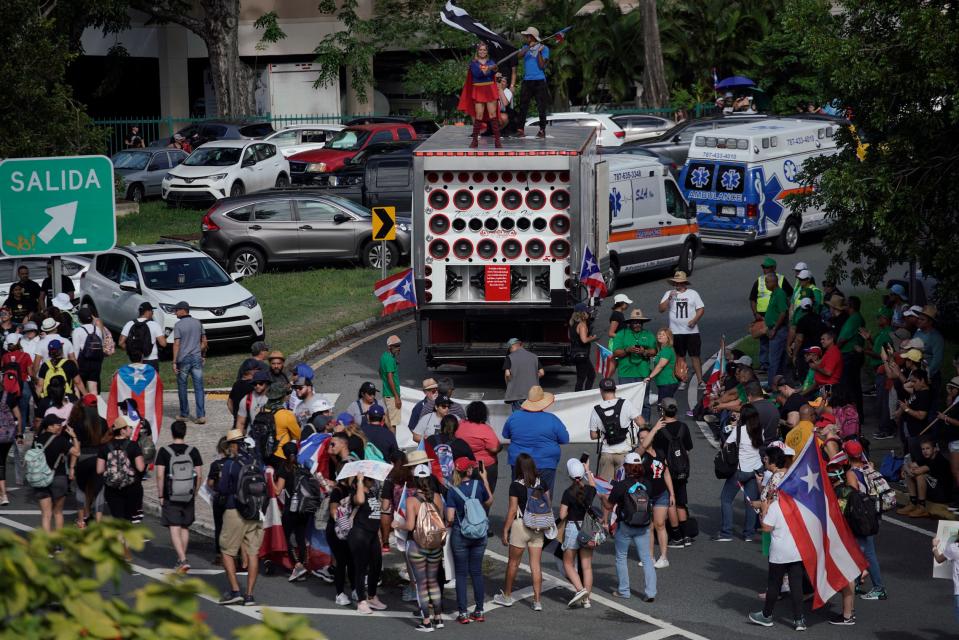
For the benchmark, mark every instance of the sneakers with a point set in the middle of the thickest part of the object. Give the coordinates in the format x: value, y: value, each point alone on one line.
x: 425, y: 627
x: 617, y: 594
x: 503, y: 600
x: 757, y: 617
x: 882, y: 436
x: 799, y: 624
x: 661, y: 563
x: 364, y: 607
x: 343, y: 600
x: 231, y: 597
x: 537, y: 605
x: 299, y: 573
x: 920, y: 512
x: 749, y: 538
x: 579, y: 595
x: 644, y: 598
x: 463, y: 618
x: 376, y: 604
x: 682, y: 386
x: 676, y: 544
x: 842, y: 620
x: 687, y: 541
x: 875, y: 594
x: 586, y: 604
x: 438, y: 622
x: 954, y: 507
x: 324, y: 574
x: 200, y: 420
x: 720, y: 537
x: 182, y: 567
x: 4, y: 500
x: 477, y: 616
x: 249, y: 600
x: 541, y: 134
x: 183, y: 418
x: 907, y: 510
x: 690, y: 414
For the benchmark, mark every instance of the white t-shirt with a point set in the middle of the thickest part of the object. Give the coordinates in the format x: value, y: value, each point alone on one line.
x: 155, y: 332
x: 256, y: 401
x: 428, y: 425
x: 682, y: 307
x: 782, y: 546
x: 749, y: 458
x: 43, y: 349
x: 626, y: 416
x: 30, y: 346
x: 81, y: 333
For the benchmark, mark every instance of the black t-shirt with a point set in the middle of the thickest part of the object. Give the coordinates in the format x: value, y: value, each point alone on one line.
x: 239, y: 390
x: 939, y: 478
x: 678, y: 430
x: 57, y: 451
x: 216, y: 468
x: 576, y: 508
x: 31, y: 293
x: 768, y: 418
x: 792, y: 403
x: 69, y: 367
x: 288, y: 475
x: 620, y: 318
x: 20, y: 308
x: 836, y: 322
x: 655, y: 476
x: 811, y: 328
x: 518, y: 490
x: 382, y: 438
x: 617, y: 494
x: 918, y: 401
x: 163, y: 458
x: 66, y: 285
x: 368, y: 514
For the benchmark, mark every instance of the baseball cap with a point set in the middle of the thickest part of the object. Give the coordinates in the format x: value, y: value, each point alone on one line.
x: 953, y: 383
x: 884, y: 312
x: 394, y: 339
x: 607, y: 384
x: 376, y: 411
x: 277, y: 391
x: 12, y: 338
x: 345, y: 418
x: 512, y: 341
x: 182, y: 304
x: 913, y: 354
x: 146, y: 306
x: 853, y: 449
x: 912, y: 343
x: 29, y: 326
x: 261, y: 376
x: 633, y: 458
x: 300, y: 381
x: 804, y: 274
x: 442, y: 400
x: 258, y: 347
x: 464, y: 464
x: 769, y: 263
x: 805, y: 303
x: 668, y: 403
x: 421, y: 471
x: 913, y: 311
x: 575, y: 468
x: 580, y: 307
x: 367, y: 387
x: 54, y: 345
x: 620, y: 298
x: 899, y: 290
x: 801, y: 266
x: 814, y: 349
x: 745, y: 361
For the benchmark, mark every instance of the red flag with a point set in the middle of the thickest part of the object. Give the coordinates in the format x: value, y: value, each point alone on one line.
x: 396, y: 292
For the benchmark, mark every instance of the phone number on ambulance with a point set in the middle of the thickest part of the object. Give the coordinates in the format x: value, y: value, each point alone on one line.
x: 626, y: 175
x: 713, y: 195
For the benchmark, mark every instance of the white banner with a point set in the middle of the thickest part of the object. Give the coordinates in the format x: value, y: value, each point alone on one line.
x: 572, y: 408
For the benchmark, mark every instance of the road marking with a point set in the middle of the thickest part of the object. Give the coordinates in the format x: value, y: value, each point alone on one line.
x: 657, y: 634
x: 906, y: 525
x: 194, y: 572
x: 343, y: 350
x: 13, y: 524
x: 343, y: 611
x: 30, y: 512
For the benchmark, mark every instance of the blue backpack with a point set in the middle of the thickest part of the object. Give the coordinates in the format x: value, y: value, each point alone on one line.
x: 475, y: 521
x: 538, y: 514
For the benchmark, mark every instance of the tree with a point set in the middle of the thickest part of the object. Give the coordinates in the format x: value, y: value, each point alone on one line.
x: 892, y: 65
x: 655, y: 92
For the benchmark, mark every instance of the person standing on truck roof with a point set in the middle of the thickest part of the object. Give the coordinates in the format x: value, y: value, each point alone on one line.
x: 390, y: 377
x: 480, y: 95
x: 634, y: 349
x: 522, y: 372
x: 535, y: 54
x: 759, y: 297
x: 685, y: 309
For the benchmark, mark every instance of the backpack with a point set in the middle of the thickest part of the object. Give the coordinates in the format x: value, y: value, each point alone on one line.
x: 92, y: 350
x: 859, y: 511
x: 591, y: 533
x: 251, y: 495
x: 8, y: 421
x: 180, y: 476
x: 677, y: 458
x: 538, y: 514
x: 613, y: 430
x: 429, y: 531
x: 475, y: 521
x: 848, y: 419
x: 145, y: 440
x: 37, y: 472
x: 56, y: 371
x: 879, y: 488
x: 343, y: 518
x: 263, y: 432
x: 306, y: 494
x: 637, y: 509
x: 372, y: 452
x: 119, y: 472
x: 11, y: 379
x: 140, y: 336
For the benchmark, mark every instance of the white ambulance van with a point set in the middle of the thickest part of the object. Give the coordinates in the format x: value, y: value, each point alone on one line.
x: 737, y: 178
x: 651, y: 225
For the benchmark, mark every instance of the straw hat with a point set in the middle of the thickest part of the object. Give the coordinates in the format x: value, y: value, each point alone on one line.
x: 537, y: 399
x: 837, y: 302
x: 49, y: 324
x: 929, y: 311
x: 277, y: 355
x: 638, y: 315
x: 679, y: 278
x: 416, y: 457
x: 234, y: 435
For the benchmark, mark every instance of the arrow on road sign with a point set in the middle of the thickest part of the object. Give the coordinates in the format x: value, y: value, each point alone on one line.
x: 62, y: 218
x: 384, y: 223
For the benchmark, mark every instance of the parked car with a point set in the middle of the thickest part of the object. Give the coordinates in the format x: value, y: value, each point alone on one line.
x: 675, y: 142
x: 384, y: 179
x: 209, y: 130
x: 123, y: 278
x: 353, y: 168
x: 143, y: 170
x: 424, y: 127
x: 249, y: 233
x: 608, y: 133
x: 639, y: 126
x: 302, y: 137
x: 73, y: 267
x: 226, y: 167
x: 347, y: 143
x: 636, y: 149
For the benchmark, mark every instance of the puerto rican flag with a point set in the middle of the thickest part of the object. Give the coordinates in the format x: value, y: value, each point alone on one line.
x: 605, y: 363
x: 560, y: 35
x: 142, y: 383
x: 591, y: 277
x: 714, y: 384
x: 828, y: 548
x: 396, y: 292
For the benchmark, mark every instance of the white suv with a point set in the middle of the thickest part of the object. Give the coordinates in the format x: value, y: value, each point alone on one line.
x: 226, y: 167
x: 608, y: 133
x: 120, y: 280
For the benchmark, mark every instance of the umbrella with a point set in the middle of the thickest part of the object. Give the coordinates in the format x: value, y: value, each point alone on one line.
x: 369, y: 468
x: 733, y: 82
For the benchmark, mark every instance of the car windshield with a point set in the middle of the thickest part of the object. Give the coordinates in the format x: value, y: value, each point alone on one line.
x: 171, y: 274
x: 213, y: 157
x: 352, y: 207
x: 347, y: 140
x: 131, y: 160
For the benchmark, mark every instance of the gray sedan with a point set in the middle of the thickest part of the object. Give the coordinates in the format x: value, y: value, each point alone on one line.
x: 142, y: 170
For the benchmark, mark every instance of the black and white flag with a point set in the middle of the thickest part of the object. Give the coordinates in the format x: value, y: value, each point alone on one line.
x: 499, y: 47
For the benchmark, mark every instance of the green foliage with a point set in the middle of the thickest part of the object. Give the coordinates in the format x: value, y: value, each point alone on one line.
x: 352, y: 47
x: 441, y: 81
x: 272, y: 32
x: 52, y: 596
x: 892, y: 63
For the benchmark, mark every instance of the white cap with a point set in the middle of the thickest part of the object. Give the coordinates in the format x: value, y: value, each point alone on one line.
x: 633, y: 458
x: 575, y: 468
x: 805, y: 303
x: 805, y: 274
x: 800, y: 266
x: 62, y: 302
x: 13, y: 338
x: 421, y: 471
x: 914, y: 310
x: 912, y: 343
x: 318, y: 403
x: 620, y: 298
x: 745, y: 361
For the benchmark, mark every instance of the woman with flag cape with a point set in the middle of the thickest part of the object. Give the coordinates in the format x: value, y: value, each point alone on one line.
x: 480, y: 95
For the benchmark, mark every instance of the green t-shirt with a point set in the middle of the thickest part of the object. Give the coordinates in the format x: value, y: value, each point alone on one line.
x: 778, y: 304
x: 388, y: 365
x: 668, y: 374
x: 634, y: 365
x: 741, y: 392
x: 850, y: 333
x: 884, y: 337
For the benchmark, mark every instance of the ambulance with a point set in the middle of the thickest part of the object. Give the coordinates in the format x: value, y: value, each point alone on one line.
x: 739, y: 177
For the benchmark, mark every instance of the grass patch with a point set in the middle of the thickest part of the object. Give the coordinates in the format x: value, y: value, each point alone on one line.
x: 153, y: 220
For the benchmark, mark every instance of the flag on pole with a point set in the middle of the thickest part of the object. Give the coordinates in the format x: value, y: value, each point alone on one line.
x: 715, y: 79
x: 828, y: 548
x: 591, y: 277
x: 560, y: 35
x: 141, y: 383
x: 714, y: 384
x: 499, y: 47
x: 396, y: 292
x: 605, y: 363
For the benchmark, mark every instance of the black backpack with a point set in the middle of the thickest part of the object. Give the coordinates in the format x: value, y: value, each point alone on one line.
x: 306, y: 494
x: 263, y: 432
x: 251, y: 495
x: 613, y: 430
x: 859, y: 511
x: 637, y: 510
x: 677, y: 458
x: 92, y: 350
x: 139, y: 336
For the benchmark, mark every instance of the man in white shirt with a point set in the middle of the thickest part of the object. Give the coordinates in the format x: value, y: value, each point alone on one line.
x: 151, y: 356
x: 685, y: 309
x: 42, y: 351
x: 611, y: 424
x: 31, y: 338
x: 429, y: 423
x: 253, y: 401
x: 89, y: 368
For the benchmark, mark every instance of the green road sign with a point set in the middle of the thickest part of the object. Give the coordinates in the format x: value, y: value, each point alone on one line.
x: 57, y: 206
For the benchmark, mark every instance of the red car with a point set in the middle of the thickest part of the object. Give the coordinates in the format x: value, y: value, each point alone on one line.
x: 344, y: 145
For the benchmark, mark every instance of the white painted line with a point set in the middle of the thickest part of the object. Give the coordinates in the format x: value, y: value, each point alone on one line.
x: 707, y: 433
x: 658, y: 634
x: 906, y: 525
x: 344, y: 350
x: 194, y: 572
x: 343, y: 611
x: 29, y: 512
x: 13, y: 524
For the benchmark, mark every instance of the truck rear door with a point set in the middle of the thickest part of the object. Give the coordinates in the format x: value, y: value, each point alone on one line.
x: 392, y: 184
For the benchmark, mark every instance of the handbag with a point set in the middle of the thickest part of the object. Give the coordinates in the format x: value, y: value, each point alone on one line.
x: 758, y: 329
x: 591, y: 533
x: 726, y: 462
x: 681, y: 370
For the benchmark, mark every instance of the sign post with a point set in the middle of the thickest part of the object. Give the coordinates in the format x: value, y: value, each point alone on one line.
x: 384, y: 229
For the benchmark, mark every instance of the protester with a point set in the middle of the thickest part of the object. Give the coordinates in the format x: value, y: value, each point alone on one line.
x: 145, y: 333
x: 429, y: 423
x: 617, y: 316
x: 759, y: 298
x: 685, y: 309
x: 254, y: 401
x: 378, y: 434
x: 364, y: 543
x: 285, y: 427
x: 67, y: 290
x: 634, y: 349
x: 189, y: 355
x: 482, y: 440
x: 664, y: 366
x: 241, y: 388
x: 355, y: 437
x: 309, y: 404
x: 672, y: 441
x: 950, y: 551
x: 851, y: 345
x: 18, y: 305
x: 576, y: 502
x: 859, y: 467
x: 949, y: 419
x: 217, y: 502
x: 748, y: 437
x: 120, y: 462
x: 259, y: 352
x: 535, y: 55
x: 522, y: 372
x: 611, y: 424
x: 31, y: 290
x: 340, y: 496
x: 913, y: 411
x: 16, y: 359
x: 776, y: 319
x: 179, y: 474
x: 92, y: 433
x: 60, y: 372
x: 767, y: 410
x: 447, y: 388
x: 535, y: 431
x: 277, y: 361
x: 629, y: 499
x: 872, y: 351
x: 468, y: 531
x: 805, y: 331
x: 60, y: 448
x: 89, y: 340
x: 365, y: 398
x: 581, y: 339
x: 425, y: 559
x: 517, y: 536
x: 825, y: 363
x: 430, y: 391
x: 50, y: 334
x: 390, y: 378
x: 784, y: 562
x: 287, y: 476
x: 927, y: 477
x: 242, y: 532
x: 788, y: 400
x: 443, y: 448
x: 934, y: 348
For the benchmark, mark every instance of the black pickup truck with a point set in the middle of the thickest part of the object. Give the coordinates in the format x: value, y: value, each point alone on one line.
x: 382, y: 179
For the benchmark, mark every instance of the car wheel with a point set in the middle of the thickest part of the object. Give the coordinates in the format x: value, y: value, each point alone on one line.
x: 371, y: 255
x: 687, y: 261
x: 788, y: 240
x: 135, y: 193
x: 248, y: 261
x: 237, y: 189
x: 282, y: 181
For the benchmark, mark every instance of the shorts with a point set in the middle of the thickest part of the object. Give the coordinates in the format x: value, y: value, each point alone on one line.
x: 522, y: 537
x: 687, y: 344
x: 90, y: 372
x: 57, y: 489
x: 679, y: 490
x: 662, y: 500
x: 237, y: 533
x: 571, y: 537
x: 394, y: 416
x: 177, y: 514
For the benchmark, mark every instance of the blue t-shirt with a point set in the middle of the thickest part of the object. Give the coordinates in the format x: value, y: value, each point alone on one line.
x: 531, y: 70
x: 537, y: 433
x: 454, y: 501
